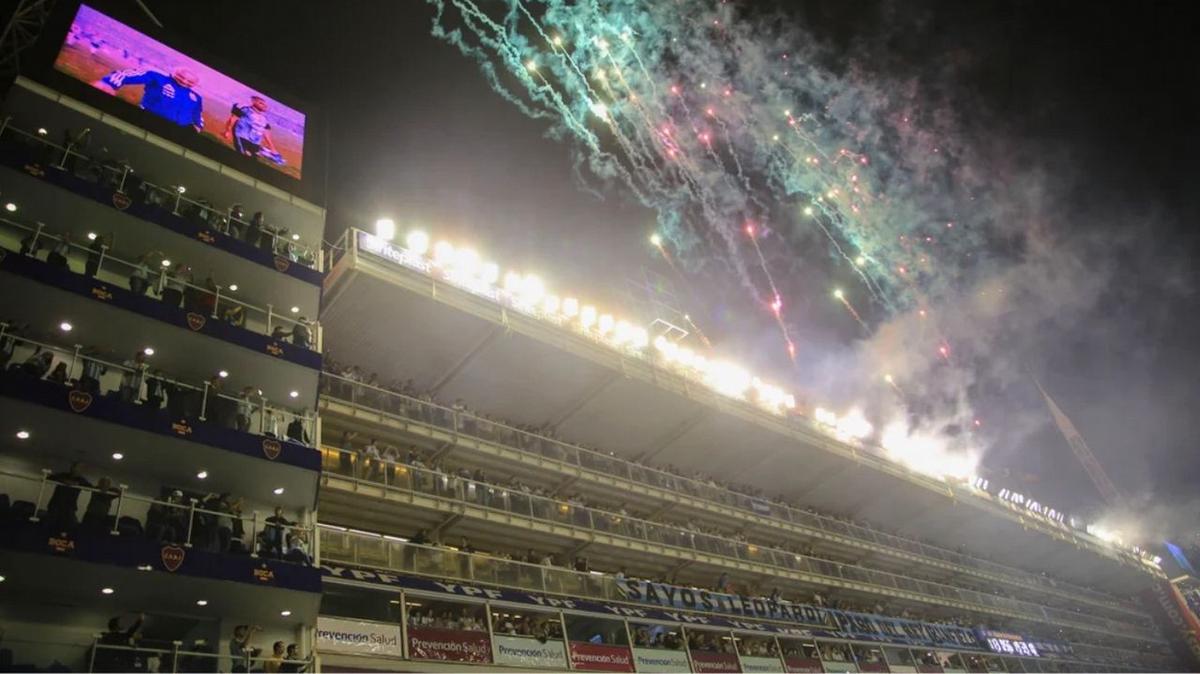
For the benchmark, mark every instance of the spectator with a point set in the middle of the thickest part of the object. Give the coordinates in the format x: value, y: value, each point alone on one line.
x: 235, y: 315
x: 96, y: 515
x: 254, y: 230
x: 245, y: 407
x: 300, y: 333
x: 273, y: 663
x: 133, y: 377
x: 295, y: 429
x: 57, y: 257
x: 237, y: 221
x: 240, y: 649
x: 59, y: 374
x: 722, y: 582
x: 273, y: 536
x: 297, y: 548
x: 172, y: 287
x: 114, y: 660
x: 95, y: 253
x: 64, y: 502
x: 139, y: 278
x: 38, y: 364
x: 292, y: 660
x: 89, y: 379
x: 31, y: 244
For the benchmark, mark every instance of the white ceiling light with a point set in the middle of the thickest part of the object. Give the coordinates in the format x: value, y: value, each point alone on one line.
x: 223, y: 374
x: 117, y: 456
x: 10, y: 207
x: 201, y: 602
x: 233, y: 287
x: 278, y: 491
x: 285, y: 613
x: 65, y: 326
x: 295, y: 310
x: 91, y: 236
x: 149, y: 350
x: 294, y: 394
x: 107, y: 590
x: 22, y: 434
x: 202, y: 475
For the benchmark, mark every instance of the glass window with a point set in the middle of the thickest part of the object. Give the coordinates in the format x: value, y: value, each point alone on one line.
x: 899, y: 656
x: 360, y: 603
x: 708, y: 641
x: 756, y: 646
x: 650, y: 635
x: 445, y: 615
x: 596, y: 630
x: 870, y: 658
x: 522, y: 623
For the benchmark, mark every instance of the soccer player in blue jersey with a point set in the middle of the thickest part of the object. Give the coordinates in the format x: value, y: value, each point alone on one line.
x: 172, y: 97
x: 248, y: 129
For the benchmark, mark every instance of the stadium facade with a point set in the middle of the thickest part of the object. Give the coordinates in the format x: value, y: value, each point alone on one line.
x: 448, y: 470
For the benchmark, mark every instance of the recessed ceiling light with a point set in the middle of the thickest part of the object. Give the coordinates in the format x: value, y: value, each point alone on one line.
x: 10, y: 207
x: 181, y: 189
x: 42, y: 131
x: 202, y: 475
x: 233, y: 287
x: 22, y: 434
x: 201, y: 602
x: 107, y: 590
x: 285, y: 613
x: 223, y: 374
x: 294, y: 394
x: 278, y: 491
x: 166, y: 263
x: 149, y: 351
x: 117, y: 456
x: 295, y: 237
x: 295, y: 310
x: 65, y: 326
x: 1, y: 579
x: 91, y: 236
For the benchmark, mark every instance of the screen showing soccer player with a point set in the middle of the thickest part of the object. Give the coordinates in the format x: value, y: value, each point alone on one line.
x: 142, y: 71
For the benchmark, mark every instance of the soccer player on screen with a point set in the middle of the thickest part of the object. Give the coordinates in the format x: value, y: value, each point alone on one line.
x: 171, y: 97
x: 248, y: 129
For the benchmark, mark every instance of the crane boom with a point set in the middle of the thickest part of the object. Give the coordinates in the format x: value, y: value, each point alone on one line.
x: 1082, y: 452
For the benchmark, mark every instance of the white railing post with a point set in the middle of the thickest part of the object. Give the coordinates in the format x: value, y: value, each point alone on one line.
x: 37, y: 505
x: 117, y: 517
x: 204, y: 403
x: 216, y: 303
x: 270, y: 317
x: 191, y: 523
x: 254, y: 535
x: 125, y: 171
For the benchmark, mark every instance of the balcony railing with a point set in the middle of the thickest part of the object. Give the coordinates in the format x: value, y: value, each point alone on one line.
x: 187, y: 524
x: 119, y: 175
x: 490, y: 430
x: 186, y: 399
x: 149, y: 273
x: 462, y: 489
x: 173, y: 657
x: 340, y: 545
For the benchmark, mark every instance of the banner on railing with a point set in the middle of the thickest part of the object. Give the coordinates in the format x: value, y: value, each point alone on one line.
x: 338, y: 635
x: 449, y: 645
x: 845, y: 625
x: 527, y: 652
x: 704, y: 662
x: 802, y: 665
x: 755, y: 663
x: 600, y: 657
x: 660, y: 660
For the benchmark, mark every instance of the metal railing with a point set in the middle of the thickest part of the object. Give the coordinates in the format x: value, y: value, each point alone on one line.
x: 118, y: 658
x: 465, y: 489
x: 187, y: 400
x: 466, y: 423
x: 162, y: 278
x: 187, y: 524
x: 119, y: 175
x: 391, y: 553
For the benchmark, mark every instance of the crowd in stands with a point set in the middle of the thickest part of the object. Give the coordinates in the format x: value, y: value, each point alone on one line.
x: 221, y: 525
x: 445, y: 619
x: 534, y: 625
x: 119, y: 174
x: 153, y: 273
x: 146, y: 386
x: 122, y: 647
x: 408, y: 402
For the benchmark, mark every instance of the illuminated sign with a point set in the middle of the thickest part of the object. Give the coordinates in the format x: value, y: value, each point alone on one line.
x: 136, y: 68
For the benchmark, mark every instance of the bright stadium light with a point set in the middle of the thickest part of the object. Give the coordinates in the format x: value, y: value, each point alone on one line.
x: 443, y: 253
x: 490, y: 273
x: 587, y: 316
x: 385, y: 228
x: 551, y: 304
x: 532, y: 289
x: 605, y: 324
x: 467, y: 262
x: 512, y: 282
x: 417, y: 242
x: 570, y: 307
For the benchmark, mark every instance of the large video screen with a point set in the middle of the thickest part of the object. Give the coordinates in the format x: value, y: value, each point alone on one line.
x: 142, y: 71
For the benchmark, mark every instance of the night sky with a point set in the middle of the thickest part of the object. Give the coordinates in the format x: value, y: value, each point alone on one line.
x: 1099, y: 98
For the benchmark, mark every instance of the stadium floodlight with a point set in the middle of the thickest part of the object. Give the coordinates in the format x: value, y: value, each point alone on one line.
x: 467, y: 262
x: 443, y: 253
x: 417, y: 242
x: 570, y: 307
x: 605, y: 324
x: 532, y: 289
x: 639, y: 338
x: 385, y: 228
x: 551, y: 304
x: 490, y: 273
x: 587, y: 316
x: 512, y: 282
